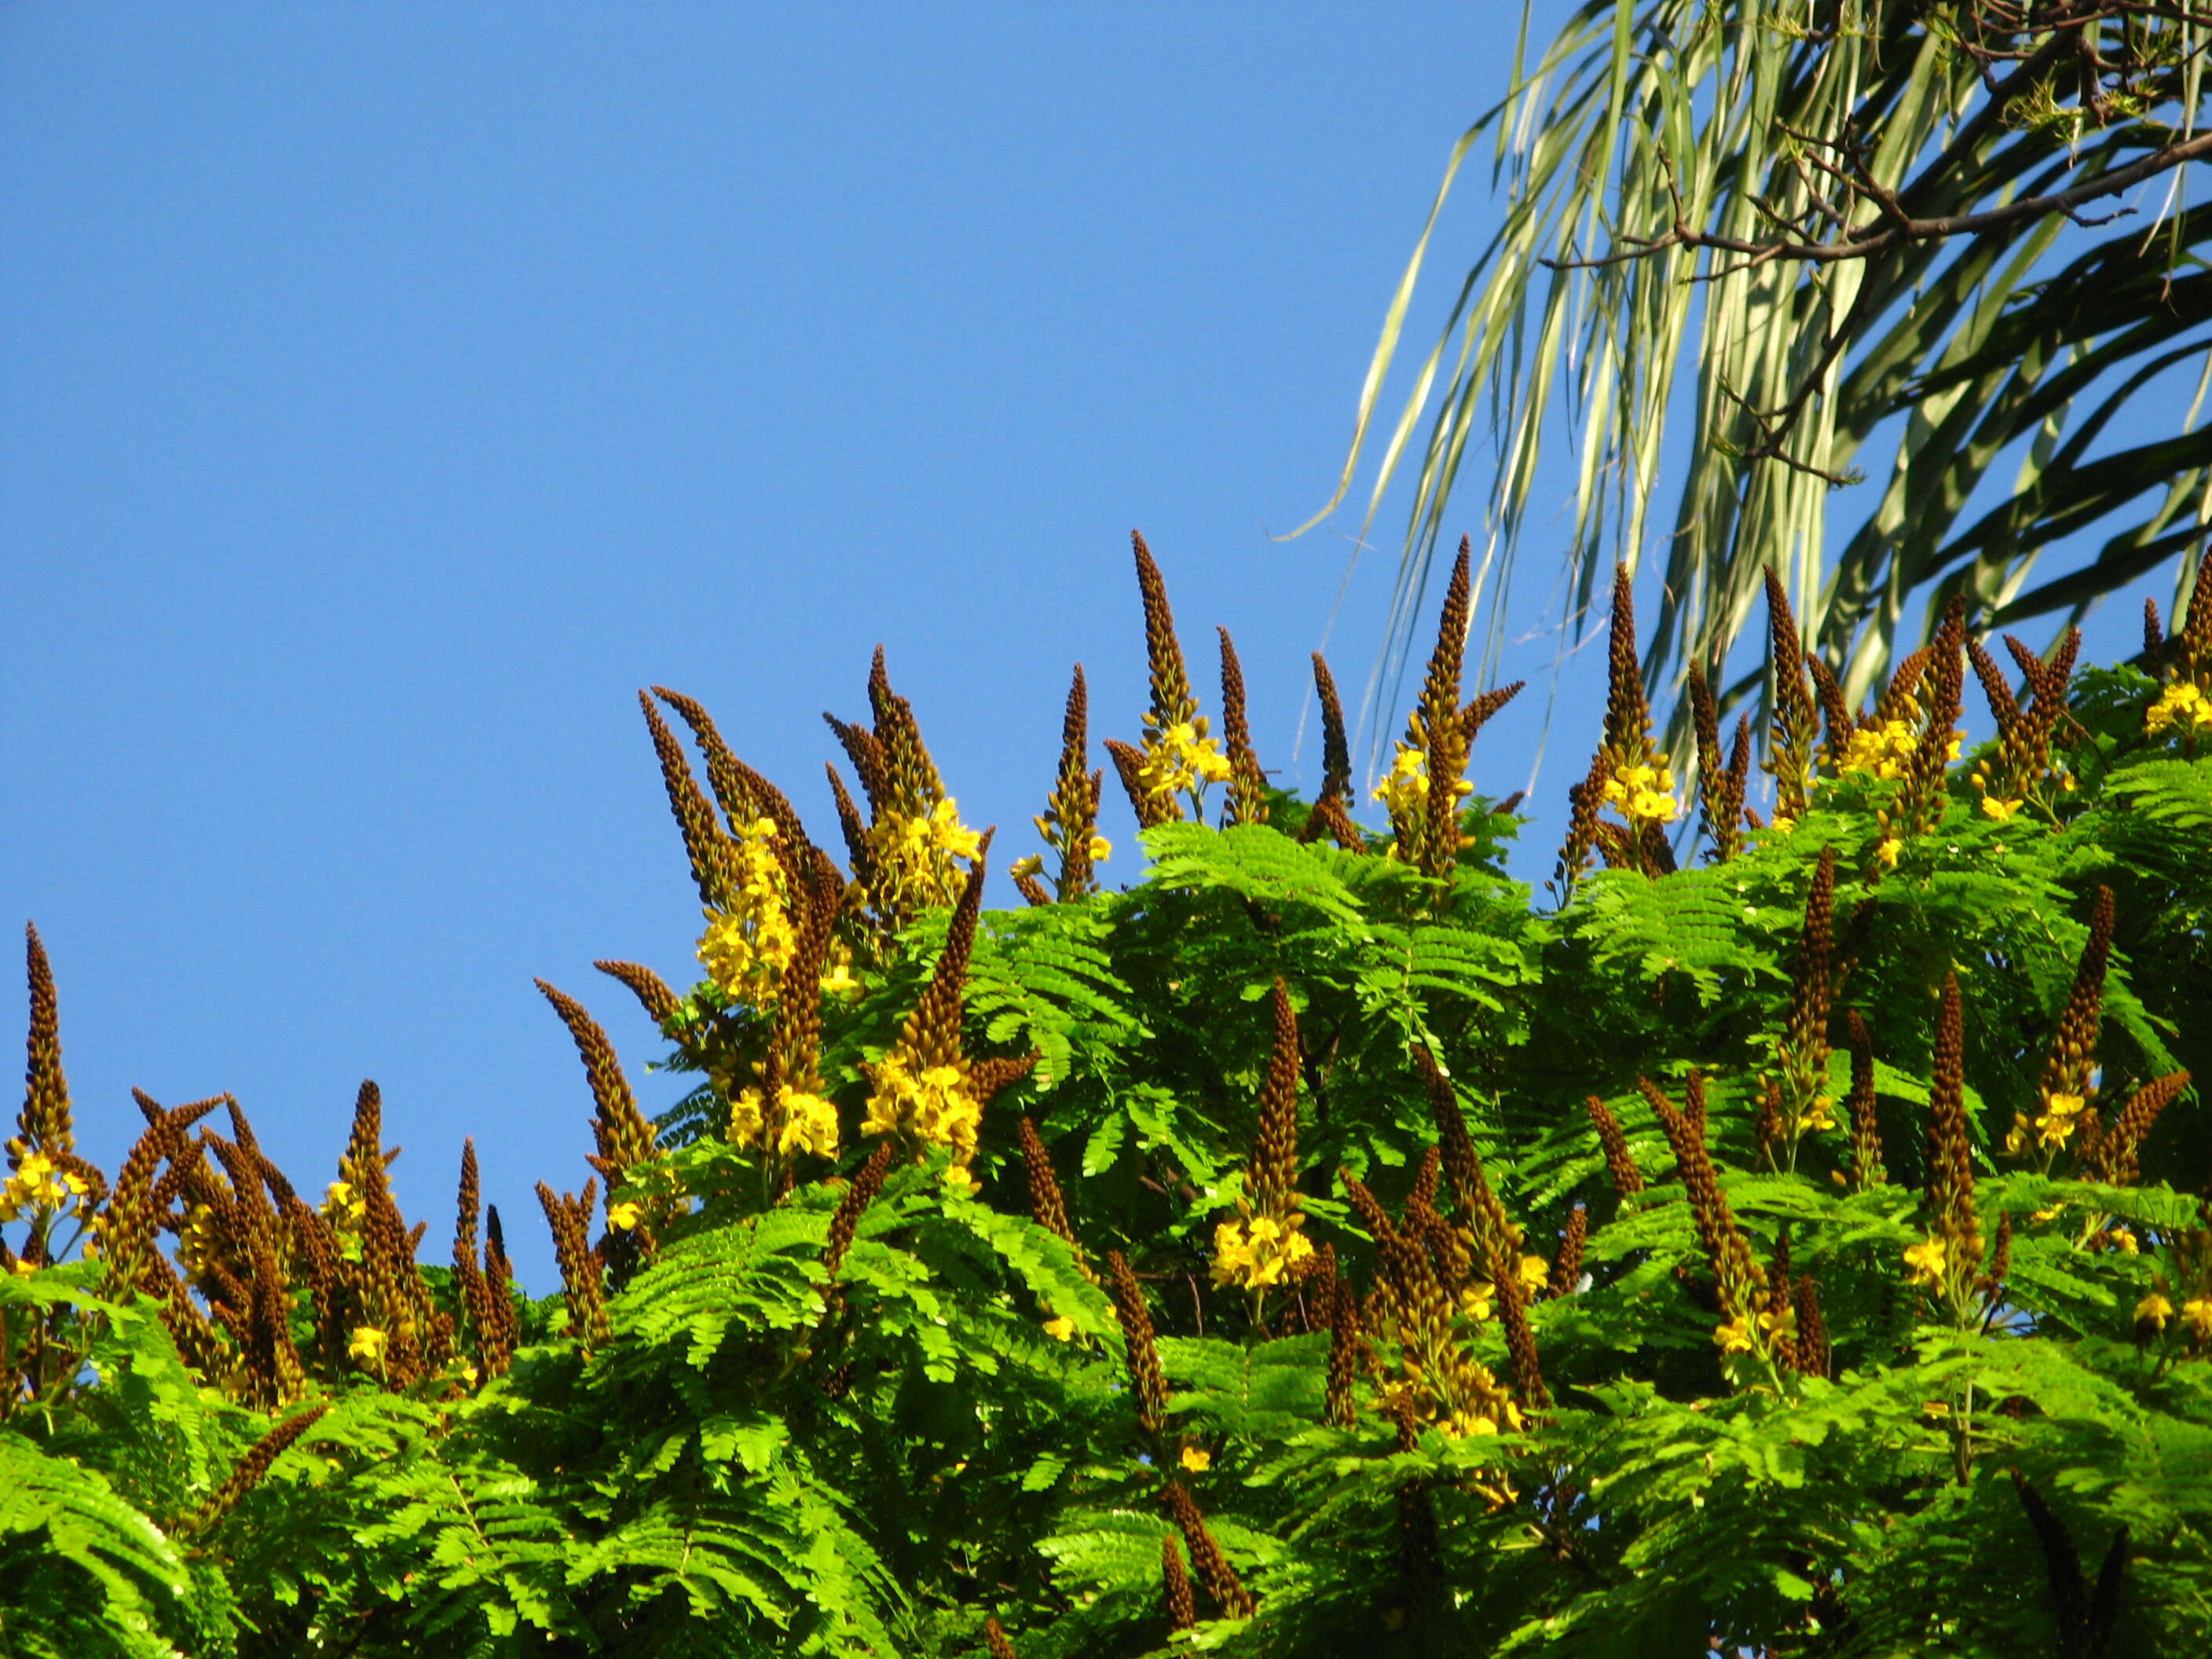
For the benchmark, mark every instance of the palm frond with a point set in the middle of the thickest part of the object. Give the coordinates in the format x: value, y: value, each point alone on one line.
x: 1768, y: 248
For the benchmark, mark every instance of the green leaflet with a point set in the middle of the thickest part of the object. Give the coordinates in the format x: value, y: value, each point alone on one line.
x: 75, y: 1557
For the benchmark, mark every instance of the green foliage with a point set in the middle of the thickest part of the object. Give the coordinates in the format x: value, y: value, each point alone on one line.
x: 1314, y: 1274
x: 1749, y: 252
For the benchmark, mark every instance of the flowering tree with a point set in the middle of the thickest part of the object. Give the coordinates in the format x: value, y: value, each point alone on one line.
x: 1787, y: 1248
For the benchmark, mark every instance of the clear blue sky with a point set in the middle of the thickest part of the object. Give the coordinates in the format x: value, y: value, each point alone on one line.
x: 387, y: 391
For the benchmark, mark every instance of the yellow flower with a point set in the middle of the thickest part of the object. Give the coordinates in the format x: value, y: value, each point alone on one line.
x: 343, y: 1205
x: 623, y: 1216
x: 932, y: 1105
x: 1642, y: 793
x: 949, y: 834
x: 1032, y: 865
x: 1886, y: 851
x: 1197, y: 1459
x: 1407, y: 787
x: 1059, y: 1329
x: 2061, y: 1115
x: 746, y: 947
x: 1258, y: 1253
x: 2197, y: 1311
x: 39, y: 1183
x: 1818, y: 1118
x: 957, y: 1179
x: 1101, y: 849
x: 2153, y: 1311
x: 368, y: 1343
x: 1881, y: 751
x: 837, y: 980
x: 1735, y: 1336
x: 809, y: 1122
x: 1536, y: 1272
x: 1181, y: 760
x: 2181, y: 705
x: 746, y: 1115
x: 2002, y: 811
x: 806, y: 1122
x: 1926, y: 1261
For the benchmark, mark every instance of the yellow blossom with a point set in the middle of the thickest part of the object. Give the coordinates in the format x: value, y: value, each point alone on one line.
x: 1258, y: 1253
x: 1881, y: 751
x: 2002, y: 811
x: 2197, y: 1312
x: 1926, y: 1261
x: 343, y: 1205
x: 1735, y: 1336
x: 41, y: 1183
x: 1818, y: 1118
x: 837, y: 979
x: 1032, y: 865
x: 746, y: 947
x: 2181, y: 705
x: 2061, y: 1114
x: 1101, y: 849
x: 1885, y: 851
x: 933, y: 1105
x: 1197, y: 1459
x: 805, y: 1121
x: 368, y: 1343
x: 809, y: 1122
x: 623, y: 1216
x: 948, y: 834
x: 1406, y: 785
x: 1181, y: 760
x: 956, y: 1179
x: 1059, y: 1329
x: 2153, y: 1311
x: 1643, y: 793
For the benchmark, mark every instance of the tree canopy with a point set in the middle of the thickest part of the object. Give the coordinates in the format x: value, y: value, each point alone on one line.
x: 1312, y: 1244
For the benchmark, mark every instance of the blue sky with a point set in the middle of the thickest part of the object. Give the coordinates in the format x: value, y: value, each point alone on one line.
x: 390, y: 390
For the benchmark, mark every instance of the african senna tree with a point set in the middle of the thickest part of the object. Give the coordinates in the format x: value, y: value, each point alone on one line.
x: 1309, y: 1244
x: 1945, y: 246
